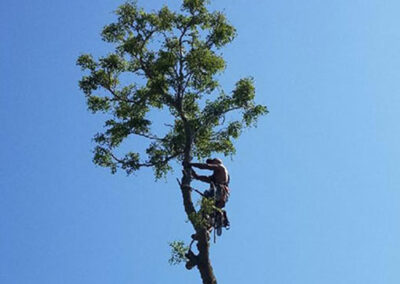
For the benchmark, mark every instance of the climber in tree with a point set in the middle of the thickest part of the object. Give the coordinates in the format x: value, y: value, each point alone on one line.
x: 218, y: 181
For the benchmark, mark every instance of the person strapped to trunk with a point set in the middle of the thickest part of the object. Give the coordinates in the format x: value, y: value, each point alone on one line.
x: 219, y: 182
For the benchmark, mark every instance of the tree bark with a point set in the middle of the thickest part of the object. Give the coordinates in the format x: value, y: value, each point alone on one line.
x: 202, y: 259
x: 204, y: 264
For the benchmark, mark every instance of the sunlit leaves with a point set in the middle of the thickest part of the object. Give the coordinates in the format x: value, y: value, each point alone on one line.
x: 86, y: 61
x: 128, y: 14
x: 194, y: 6
x: 96, y: 104
x: 171, y: 61
x: 244, y: 92
x: 178, y: 252
x: 221, y: 31
x: 203, y: 63
x: 165, y: 19
x: 88, y: 84
x: 112, y: 63
x: 251, y: 115
x: 130, y: 162
x: 157, y: 156
x: 103, y: 158
x: 113, y: 33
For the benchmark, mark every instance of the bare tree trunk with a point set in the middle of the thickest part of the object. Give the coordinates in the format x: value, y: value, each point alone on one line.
x: 202, y: 259
x: 204, y: 264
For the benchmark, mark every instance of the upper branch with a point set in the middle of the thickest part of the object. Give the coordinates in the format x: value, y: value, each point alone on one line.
x: 149, y: 136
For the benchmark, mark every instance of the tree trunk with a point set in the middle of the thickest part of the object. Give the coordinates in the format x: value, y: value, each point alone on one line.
x: 202, y: 260
x: 204, y: 264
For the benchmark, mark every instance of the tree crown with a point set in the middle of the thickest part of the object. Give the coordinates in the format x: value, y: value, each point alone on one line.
x: 174, y: 59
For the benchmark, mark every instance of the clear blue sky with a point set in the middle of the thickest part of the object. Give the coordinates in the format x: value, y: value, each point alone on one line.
x: 315, y: 188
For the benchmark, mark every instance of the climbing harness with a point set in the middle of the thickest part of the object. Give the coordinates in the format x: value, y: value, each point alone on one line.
x: 219, y: 192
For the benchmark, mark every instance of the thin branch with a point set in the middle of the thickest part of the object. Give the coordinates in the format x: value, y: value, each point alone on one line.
x: 215, y: 116
x: 115, y: 158
x: 165, y: 161
x: 149, y: 136
x: 189, y: 77
x: 145, y: 164
x: 117, y: 97
x: 181, y: 61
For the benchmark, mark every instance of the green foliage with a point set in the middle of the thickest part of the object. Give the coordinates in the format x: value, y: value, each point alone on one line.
x: 200, y: 219
x: 173, y: 59
x: 178, y: 251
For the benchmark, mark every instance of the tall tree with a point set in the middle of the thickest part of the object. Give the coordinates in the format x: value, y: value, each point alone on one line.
x: 168, y: 60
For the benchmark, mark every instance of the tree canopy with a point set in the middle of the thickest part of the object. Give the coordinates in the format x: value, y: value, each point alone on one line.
x: 175, y: 59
